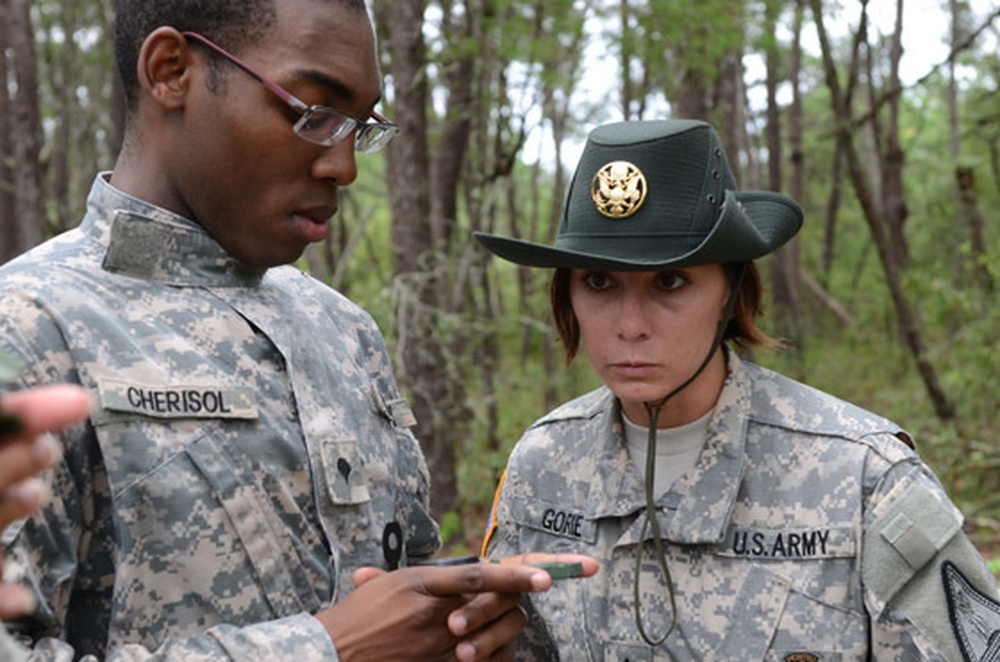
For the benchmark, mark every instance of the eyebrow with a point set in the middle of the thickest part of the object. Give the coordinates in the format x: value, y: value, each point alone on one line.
x: 333, y: 85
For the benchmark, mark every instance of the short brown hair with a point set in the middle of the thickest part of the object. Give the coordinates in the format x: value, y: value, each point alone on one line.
x: 233, y: 24
x: 741, y: 330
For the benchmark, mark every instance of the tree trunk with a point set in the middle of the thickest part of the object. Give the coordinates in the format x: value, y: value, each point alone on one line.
x: 692, y: 101
x: 450, y: 154
x: 729, y: 116
x: 27, y: 129
x: 954, y: 146
x: 113, y: 140
x: 785, y: 287
x: 896, y: 211
x: 831, y: 211
x: 832, y: 208
x: 796, y: 188
x: 422, y: 364
x: 795, y: 138
x: 8, y: 227
x: 968, y: 219
x: 828, y: 300
x: 908, y: 322
x: 969, y: 209
x: 63, y: 68
x: 627, y: 56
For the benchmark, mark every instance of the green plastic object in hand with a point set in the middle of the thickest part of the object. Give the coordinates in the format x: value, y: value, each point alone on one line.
x: 561, y: 570
x: 556, y: 569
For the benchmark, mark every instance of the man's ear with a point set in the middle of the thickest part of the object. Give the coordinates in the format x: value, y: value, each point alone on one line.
x: 165, y: 67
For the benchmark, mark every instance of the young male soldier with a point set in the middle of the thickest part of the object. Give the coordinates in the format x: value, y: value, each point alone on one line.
x: 249, y: 456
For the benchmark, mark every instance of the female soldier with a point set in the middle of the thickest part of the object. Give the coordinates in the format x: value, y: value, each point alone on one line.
x: 736, y: 513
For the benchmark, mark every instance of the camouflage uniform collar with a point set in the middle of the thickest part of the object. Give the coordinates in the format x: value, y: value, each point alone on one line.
x: 698, y: 506
x: 148, y: 242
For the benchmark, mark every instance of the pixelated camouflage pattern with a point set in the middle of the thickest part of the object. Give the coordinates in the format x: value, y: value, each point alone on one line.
x: 11, y: 650
x: 765, y: 533
x: 203, y: 537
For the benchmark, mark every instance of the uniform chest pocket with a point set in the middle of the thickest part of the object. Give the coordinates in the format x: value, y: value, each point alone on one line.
x: 203, y: 523
x: 727, y: 613
x: 773, y: 617
x: 735, y: 608
x: 811, y: 630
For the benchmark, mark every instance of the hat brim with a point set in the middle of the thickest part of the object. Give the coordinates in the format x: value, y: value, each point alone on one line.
x: 751, y: 224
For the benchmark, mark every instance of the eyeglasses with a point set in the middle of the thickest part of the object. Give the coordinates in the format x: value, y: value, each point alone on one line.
x: 319, y: 125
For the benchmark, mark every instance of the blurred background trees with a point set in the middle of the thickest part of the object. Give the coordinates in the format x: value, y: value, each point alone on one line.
x: 887, y: 296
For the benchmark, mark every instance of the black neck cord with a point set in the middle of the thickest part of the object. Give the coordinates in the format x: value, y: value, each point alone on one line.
x: 650, y: 523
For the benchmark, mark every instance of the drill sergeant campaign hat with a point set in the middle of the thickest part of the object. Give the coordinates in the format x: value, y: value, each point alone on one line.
x: 652, y: 195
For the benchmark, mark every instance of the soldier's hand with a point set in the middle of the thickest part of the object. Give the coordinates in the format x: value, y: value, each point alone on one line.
x: 426, y: 612
x: 467, y: 612
x: 482, y: 639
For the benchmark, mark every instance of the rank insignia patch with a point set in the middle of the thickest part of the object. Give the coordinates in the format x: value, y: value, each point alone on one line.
x: 975, y: 617
x: 618, y: 189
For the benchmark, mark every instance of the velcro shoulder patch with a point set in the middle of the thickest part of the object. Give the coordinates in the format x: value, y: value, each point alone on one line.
x: 905, y: 538
x: 918, y: 526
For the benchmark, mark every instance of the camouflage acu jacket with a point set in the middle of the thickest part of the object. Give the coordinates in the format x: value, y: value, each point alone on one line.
x: 805, y: 531
x: 248, y: 449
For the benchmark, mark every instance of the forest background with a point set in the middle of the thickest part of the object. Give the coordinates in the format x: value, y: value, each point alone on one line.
x: 887, y: 298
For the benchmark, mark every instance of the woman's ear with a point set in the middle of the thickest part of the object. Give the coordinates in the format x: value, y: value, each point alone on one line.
x: 729, y: 282
x: 164, y: 67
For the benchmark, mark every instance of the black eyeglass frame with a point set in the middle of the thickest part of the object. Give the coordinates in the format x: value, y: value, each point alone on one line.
x: 369, y: 136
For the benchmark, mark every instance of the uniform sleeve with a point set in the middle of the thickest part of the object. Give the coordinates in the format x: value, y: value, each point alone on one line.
x: 928, y: 592
x: 295, y: 637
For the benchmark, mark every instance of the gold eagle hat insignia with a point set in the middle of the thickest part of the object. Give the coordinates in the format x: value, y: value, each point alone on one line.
x: 618, y: 189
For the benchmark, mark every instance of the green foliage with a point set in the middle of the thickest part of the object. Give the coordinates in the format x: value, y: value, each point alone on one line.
x: 450, y: 525
x: 868, y: 364
x: 76, y: 96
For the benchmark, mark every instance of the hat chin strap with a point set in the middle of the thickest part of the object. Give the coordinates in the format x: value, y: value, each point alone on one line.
x: 650, y: 523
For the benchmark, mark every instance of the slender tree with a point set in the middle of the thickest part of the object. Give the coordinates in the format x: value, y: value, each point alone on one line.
x: 8, y: 227
x: 968, y: 218
x: 906, y: 317
x: 416, y: 259
x: 26, y: 127
x: 896, y: 209
x: 785, y: 286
